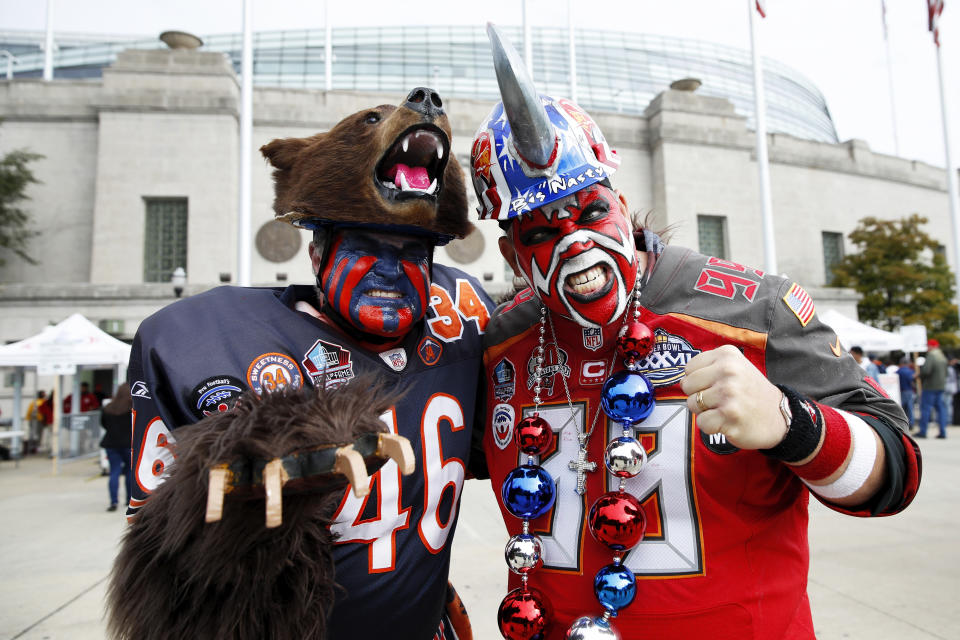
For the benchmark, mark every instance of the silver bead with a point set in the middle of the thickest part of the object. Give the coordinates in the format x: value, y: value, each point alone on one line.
x: 624, y: 457
x: 587, y: 628
x: 523, y: 553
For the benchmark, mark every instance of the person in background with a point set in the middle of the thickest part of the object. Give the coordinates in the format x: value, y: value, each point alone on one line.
x: 933, y: 380
x: 950, y: 391
x: 46, y: 413
x: 908, y: 388
x: 34, y: 418
x: 115, y: 419
x: 865, y: 363
x: 100, y: 393
x: 88, y: 401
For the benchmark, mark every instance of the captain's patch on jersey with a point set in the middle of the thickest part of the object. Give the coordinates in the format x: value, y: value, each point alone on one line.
x: 396, y: 359
x: 502, y: 424
x: 328, y: 363
x: 273, y: 371
x: 800, y: 303
x: 665, y: 364
x: 430, y: 351
x: 214, y: 395
x: 504, y: 380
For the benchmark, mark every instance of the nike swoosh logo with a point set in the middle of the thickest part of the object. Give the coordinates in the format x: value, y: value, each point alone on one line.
x: 836, y: 348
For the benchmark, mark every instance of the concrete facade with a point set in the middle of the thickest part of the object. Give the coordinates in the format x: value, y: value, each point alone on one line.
x: 164, y: 123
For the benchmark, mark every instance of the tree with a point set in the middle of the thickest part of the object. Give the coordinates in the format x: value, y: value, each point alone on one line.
x: 15, y: 176
x: 902, y: 276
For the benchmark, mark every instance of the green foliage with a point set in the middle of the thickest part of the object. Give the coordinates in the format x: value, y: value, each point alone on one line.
x: 902, y: 277
x: 15, y: 176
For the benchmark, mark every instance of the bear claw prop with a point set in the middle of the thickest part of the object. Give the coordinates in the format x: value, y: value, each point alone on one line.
x: 347, y: 461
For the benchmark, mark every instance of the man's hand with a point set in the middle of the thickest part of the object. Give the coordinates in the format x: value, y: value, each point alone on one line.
x: 730, y: 396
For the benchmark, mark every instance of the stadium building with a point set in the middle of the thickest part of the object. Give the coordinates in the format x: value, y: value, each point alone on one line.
x: 139, y: 174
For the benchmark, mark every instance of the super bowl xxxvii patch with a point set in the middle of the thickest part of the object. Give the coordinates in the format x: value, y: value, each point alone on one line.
x: 328, y: 363
x: 504, y: 380
x: 800, y: 303
x: 502, y: 424
x: 665, y: 364
x: 396, y: 359
x: 272, y: 372
x: 215, y: 395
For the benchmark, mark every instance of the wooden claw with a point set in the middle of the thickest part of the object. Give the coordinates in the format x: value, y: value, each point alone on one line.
x: 274, y: 477
x: 397, y: 448
x: 350, y: 463
x: 216, y: 488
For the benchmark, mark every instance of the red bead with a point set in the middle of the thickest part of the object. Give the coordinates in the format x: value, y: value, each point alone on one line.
x: 617, y: 520
x: 533, y: 435
x: 524, y: 615
x: 635, y: 341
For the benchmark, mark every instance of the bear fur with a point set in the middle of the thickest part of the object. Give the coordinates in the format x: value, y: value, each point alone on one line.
x: 178, y: 577
x: 337, y: 175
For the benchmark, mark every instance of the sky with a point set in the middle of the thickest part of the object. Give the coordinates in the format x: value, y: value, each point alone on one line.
x: 837, y: 44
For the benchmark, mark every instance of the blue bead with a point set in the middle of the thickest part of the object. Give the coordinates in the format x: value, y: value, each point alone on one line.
x: 528, y: 492
x: 615, y: 587
x: 627, y: 397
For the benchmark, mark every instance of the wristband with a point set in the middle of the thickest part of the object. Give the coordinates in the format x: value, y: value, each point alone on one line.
x: 837, y: 441
x: 861, y: 462
x: 803, y: 432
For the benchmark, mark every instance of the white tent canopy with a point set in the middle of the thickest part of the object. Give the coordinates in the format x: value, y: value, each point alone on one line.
x: 853, y: 333
x: 59, y: 350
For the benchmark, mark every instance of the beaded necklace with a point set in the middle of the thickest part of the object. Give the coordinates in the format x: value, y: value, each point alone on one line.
x: 616, y: 519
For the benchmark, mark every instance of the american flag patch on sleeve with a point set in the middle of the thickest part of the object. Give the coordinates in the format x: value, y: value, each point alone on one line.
x: 800, y: 302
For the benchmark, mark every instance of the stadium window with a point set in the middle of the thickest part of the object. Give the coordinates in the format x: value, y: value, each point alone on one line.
x: 712, y: 233
x: 164, y: 238
x: 832, y: 253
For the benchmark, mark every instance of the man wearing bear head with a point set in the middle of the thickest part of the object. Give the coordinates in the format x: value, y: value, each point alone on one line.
x: 672, y: 412
x: 380, y: 190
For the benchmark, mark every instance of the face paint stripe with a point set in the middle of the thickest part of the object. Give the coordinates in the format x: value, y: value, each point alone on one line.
x: 344, y: 267
x: 349, y: 293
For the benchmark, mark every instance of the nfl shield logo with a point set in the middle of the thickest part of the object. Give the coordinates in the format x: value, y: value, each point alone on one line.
x: 592, y: 338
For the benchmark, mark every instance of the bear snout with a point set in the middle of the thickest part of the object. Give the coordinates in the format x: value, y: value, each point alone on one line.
x: 425, y: 101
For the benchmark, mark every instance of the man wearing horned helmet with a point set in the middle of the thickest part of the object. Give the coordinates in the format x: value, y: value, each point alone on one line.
x: 657, y: 419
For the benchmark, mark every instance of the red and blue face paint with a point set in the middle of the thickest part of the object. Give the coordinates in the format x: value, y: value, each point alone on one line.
x: 377, y: 282
x: 579, y: 255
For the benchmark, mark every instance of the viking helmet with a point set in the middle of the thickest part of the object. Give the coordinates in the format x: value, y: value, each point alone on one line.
x: 532, y: 149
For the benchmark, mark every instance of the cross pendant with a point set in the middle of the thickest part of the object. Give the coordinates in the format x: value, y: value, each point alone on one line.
x: 581, y: 466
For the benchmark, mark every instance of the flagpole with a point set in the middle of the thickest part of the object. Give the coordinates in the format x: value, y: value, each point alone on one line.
x: 246, y: 131
x: 527, y: 41
x: 327, y: 46
x: 763, y: 168
x: 48, y: 45
x: 951, y: 179
x: 893, y: 107
x: 573, y: 52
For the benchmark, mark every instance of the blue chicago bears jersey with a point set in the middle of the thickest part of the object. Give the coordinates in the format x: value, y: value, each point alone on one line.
x: 198, y: 355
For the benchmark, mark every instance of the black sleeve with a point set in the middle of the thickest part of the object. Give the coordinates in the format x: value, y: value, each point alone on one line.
x: 477, y: 465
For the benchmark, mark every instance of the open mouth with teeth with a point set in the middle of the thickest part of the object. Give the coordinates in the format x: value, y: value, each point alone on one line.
x: 380, y: 293
x: 590, y: 284
x: 413, y: 166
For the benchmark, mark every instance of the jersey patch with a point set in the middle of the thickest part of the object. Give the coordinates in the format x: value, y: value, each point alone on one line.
x: 502, y: 424
x: 272, y: 372
x: 717, y: 443
x: 800, y: 303
x: 139, y: 390
x: 504, y: 380
x: 665, y: 364
x: 326, y: 361
x: 592, y: 338
x: 396, y: 359
x: 215, y: 395
x: 554, y: 362
x: 430, y: 351
x: 593, y: 372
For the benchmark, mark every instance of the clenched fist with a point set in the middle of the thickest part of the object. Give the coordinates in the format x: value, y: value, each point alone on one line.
x: 730, y: 396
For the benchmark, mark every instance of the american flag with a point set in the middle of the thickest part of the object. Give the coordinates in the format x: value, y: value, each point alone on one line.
x: 800, y: 302
x: 934, y: 9
x: 760, y: 9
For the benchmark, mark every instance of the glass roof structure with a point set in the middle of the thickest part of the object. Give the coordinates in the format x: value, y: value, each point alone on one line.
x: 615, y: 71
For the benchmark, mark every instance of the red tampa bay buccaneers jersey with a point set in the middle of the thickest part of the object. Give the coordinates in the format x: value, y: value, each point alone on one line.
x: 197, y: 356
x: 725, y: 553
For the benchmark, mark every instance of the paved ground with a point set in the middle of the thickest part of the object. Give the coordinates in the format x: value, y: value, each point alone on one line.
x: 884, y: 579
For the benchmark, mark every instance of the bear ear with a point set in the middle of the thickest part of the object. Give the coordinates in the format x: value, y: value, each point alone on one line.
x: 282, y: 153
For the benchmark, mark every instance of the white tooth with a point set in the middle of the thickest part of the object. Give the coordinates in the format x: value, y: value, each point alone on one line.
x: 404, y: 185
x: 390, y: 184
x: 406, y: 143
x: 433, y: 187
x: 439, y: 152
